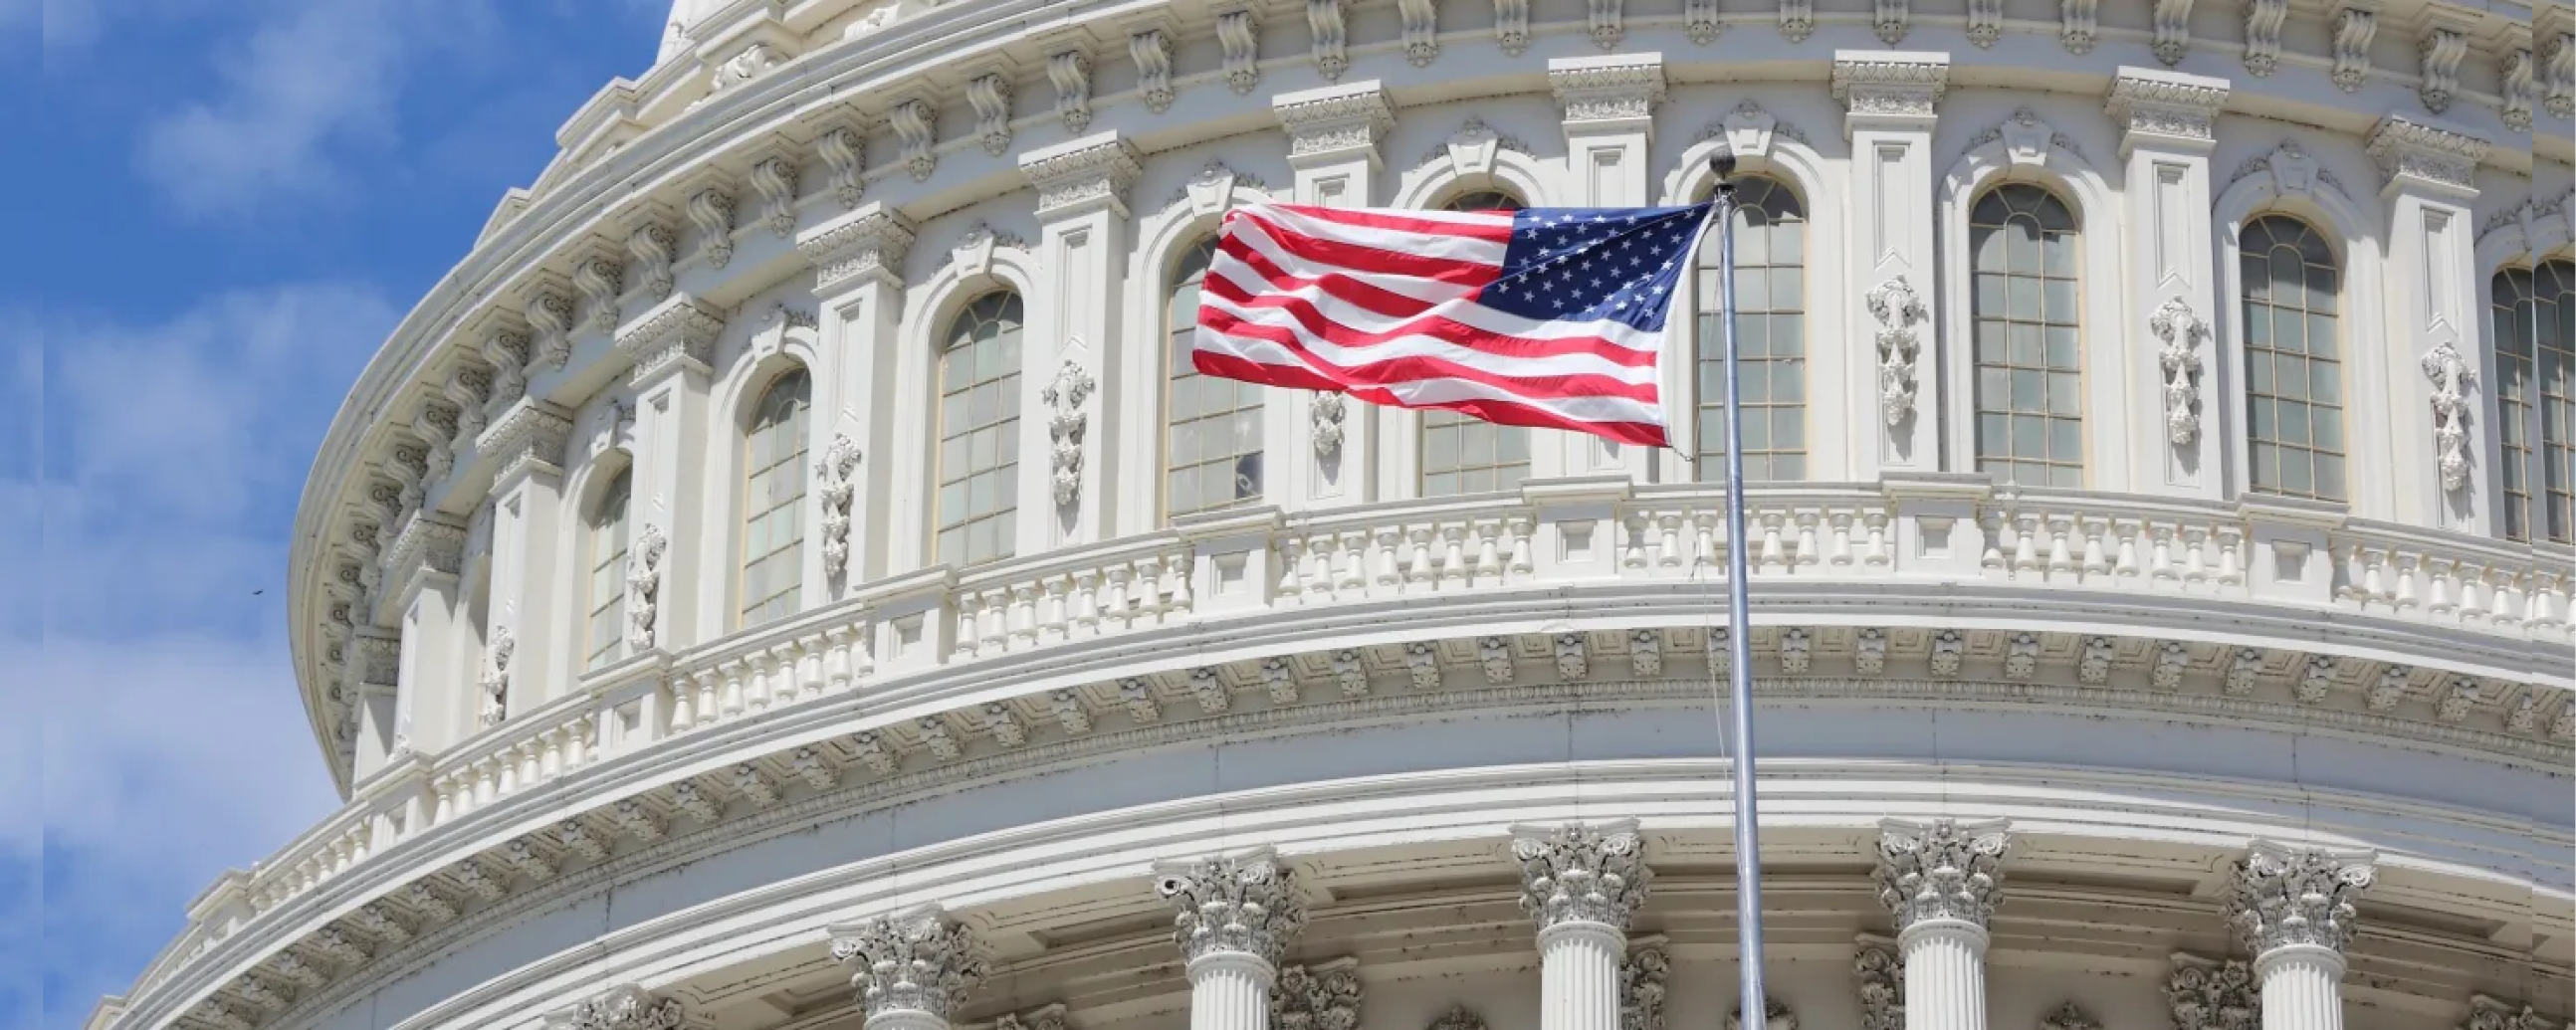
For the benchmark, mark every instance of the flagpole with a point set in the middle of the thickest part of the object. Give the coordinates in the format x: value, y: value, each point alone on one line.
x: 1739, y: 641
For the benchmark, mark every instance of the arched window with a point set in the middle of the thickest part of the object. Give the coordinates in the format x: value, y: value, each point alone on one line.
x: 1212, y: 446
x: 2293, y: 362
x: 1770, y: 337
x: 2535, y: 334
x: 607, y: 628
x: 1462, y: 454
x: 773, y: 510
x: 979, y: 426
x: 2030, y: 398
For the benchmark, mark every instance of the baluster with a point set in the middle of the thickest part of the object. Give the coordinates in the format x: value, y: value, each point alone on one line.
x: 729, y: 703
x: 2404, y: 593
x: 2548, y: 604
x: 444, y: 790
x: 1417, y: 556
x: 1774, y: 555
x: 1634, y: 557
x: 783, y: 687
x: 1024, y: 616
x: 2160, y: 558
x: 487, y: 781
x: 2095, y: 562
x: 529, y: 773
x: 1086, y: 602
x: 1998, y: 534
x: 1453, y: 553
x: 1184, y: 567
x: 1113, y: 590
x: 2374, y: 576
x: 1489, y: 555
x: 994, y: 635
x: 1052, y: 609
x: 2195, y: 558
x: 2437, y: 572
x: 1839, y: 552
x: 1292, y: 561
x: 710, y: 683
x: 550, y: 758
x: 2473, y: 592
x: 1386, y: 557
x: 2025, y: 555
x: 1876, y: 552
x: 1668, y: 540
x: 760, y: 687
x: 2126, y: 564
x: 2060, y: 558
x: 1520, y: 556
x: 684, y: 703
x: 1808, y: 552
x: 809, y: 664
x: 1704, y: 540
x: 581, y: 740
x: 2347, y: 565
x: 1353, y: 576
x: 2231, y: 556
x: 2506, y: 600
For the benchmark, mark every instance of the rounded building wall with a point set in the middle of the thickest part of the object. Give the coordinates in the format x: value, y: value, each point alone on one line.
x: 790, y: 515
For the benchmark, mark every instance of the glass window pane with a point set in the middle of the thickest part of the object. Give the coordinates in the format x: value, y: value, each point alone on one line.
x: 2294, y: 376
x: 2026, y: 318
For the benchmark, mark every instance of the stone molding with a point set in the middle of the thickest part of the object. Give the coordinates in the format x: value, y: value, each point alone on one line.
x: 530, y: 436
x: 2411, y: 153
x: 868, y: 243
x: 1335, y: 122
x: 1892, y: 90
x: 1615, y: 91
x: 1578, y: 873
x: 1083, y: 175
x: 1244, y: 903
x: 676, y: 335
x: 2165, y: 110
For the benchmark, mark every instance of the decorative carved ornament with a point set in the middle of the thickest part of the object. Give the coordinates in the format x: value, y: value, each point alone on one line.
x: 1597, y: 90
x: 2451, y: 378
x: 2181, y: 331
x: 1881, y: 972
x: 918, y: 961
x: 1064, y: 396
x: 1896, y: 307
x: 1459, y: 1017
x: 867, y: 242
x: 1244, y: 903
x: 496, y: 676
x: 2354, y: 26
x: 2207, y: 995
x: 2487, y: 1013
x: 1943, y: 870
x: 1643, y: 977
x: 835, y: 474
x: 1067, y: 178
x: 1775, y: 1016
x: 1905, y: 89
x: 1325, y: 996
x: 1325, y: 419
x: 2405, y: 149
x: 2070, y: 1016
x: 2284, y: 896
x: 1578, y: 873
x: 1350, y: 118
x: 643, y: 586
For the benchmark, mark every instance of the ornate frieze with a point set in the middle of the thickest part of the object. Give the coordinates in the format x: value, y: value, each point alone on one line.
x: 917, y: 961
x: 530, y: 435
x: 677, y: 334
x: 2355, y: 24
x: 836, y: 481
x: 1064, y: 397
x: 1644, y: 975
x: 644, y: 586
x: 1323, y: 996
x: 2179, y: 358
x: 1069, y: 71
x: 2411, y: 152
x: 1942, y: 870
x: 429, y: 542
x: 2205, y: 994
x: 2166, y: 109
x: 1607, y: 89
x: 1891, y: 88
x: 1245, y: 902
x: 1330, y: 123
x: 1082, y: 175
x: 868, y: 242
x: 2283, y: 896
x: 2486, y: 1013
x: 1896, y: 307
x: 2451, y: 379
x: 1580, y: 873
x: 1881, y: 972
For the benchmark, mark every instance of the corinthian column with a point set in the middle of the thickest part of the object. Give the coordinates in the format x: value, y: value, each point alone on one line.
x: 1581, y: 883
x: 1236, y: 914
x: 1941, y: 881
x: 2293, y: 908
x: 912, y: 969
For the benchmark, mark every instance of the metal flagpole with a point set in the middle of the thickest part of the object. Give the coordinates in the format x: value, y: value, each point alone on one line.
x: 1739, y: 642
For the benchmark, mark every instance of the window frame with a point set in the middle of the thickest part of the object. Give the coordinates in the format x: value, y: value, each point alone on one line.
x: 1707, y: 349
x: 1172, y: 376
x: 1008, y: 386
x: 1429, y: 423
x: 620, y: 490
x: 802, y: 415
x: 1975, y: 361
x: 2244, y: 396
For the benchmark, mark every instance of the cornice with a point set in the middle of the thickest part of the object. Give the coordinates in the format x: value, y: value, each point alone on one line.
x: 1083, y: 174
x: 1335, y: 121
x: 2151, y: 106
x: 869, y: 242
x: 2412, y: 153
x: 530, y: 435
x: 1889, y: 89
x: 1619, y: 88
x: 678, y: 334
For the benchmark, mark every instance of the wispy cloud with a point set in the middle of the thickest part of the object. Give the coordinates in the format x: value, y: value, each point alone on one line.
x: 313, y: 80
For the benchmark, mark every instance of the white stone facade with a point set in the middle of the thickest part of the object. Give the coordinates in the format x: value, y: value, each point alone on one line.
x: 660, y: 610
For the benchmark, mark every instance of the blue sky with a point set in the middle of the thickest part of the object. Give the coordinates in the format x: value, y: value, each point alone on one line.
x: 223, y: 206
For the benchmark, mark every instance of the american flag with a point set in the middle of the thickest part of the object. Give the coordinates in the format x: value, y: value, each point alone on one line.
x: 1550, y: 317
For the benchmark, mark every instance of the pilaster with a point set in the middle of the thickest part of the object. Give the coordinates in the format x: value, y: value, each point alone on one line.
x: 1333, y: 136
x: 2165, y: 121
x: 671, y: 346
x: 1890, y: 100
x: 1941, y: 881
x: 1608, y: 103
x: 1082, y: 247
x: 2433, y: 368
x: 422, y: 565
x: 858, y: 283
x: 912, y: 970
x: 524, y: 658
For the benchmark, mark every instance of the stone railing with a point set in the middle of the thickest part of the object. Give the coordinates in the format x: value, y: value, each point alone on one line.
x: 1955, y: 532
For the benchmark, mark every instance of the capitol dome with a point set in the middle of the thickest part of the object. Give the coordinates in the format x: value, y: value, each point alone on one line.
x: 787, y: 576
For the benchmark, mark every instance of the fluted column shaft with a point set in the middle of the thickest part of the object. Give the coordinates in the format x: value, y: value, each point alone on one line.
x: 2302, y: 987
x: 906, y: 1019
x: 1578, y: 966
x: 1945, y: 975
x: 1230, y: 990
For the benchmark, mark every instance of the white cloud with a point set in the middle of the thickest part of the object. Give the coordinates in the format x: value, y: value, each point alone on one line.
x: 317, y: 76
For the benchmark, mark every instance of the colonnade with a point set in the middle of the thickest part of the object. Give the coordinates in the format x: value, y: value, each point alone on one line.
x: 1237, y: 915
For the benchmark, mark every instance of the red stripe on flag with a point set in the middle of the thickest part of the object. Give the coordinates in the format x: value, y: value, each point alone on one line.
x: 1643, y: 434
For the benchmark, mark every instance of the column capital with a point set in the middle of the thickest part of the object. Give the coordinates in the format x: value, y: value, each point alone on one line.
x: 1334, y: 123
x: 2208, y: 994
x: 678, y: 334
x: 2165, y: 110
x: 1889, y: 89
x: 1613, y: 91
x: 1944, y: 870
x: 1245, y: 902
x: 1083, y: 175
x: 910, y: 965
x: 867, y: 243
x: 2428, y: 157
x: 528, y: 437
x: 1582, y: 873
x: 623, y: 1007
x: 2284, y: 896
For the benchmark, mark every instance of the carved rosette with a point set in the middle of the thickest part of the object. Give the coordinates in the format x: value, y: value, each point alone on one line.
x: 1578, y: 873
x: 2181, y: 330
x: 835, y: 474
x: 2207, y: 995
x: 1896, y: 307
x: 1325, y: 996
x: 623, y: 1007
x: 1944, y: 870
x: 1245, y: 903
x: 1066, y: 421
x: 1325, y: 419
x: 919, y: 961
x: 2284, y: 896
x: 2451, y: 379
x: 644, y: 585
